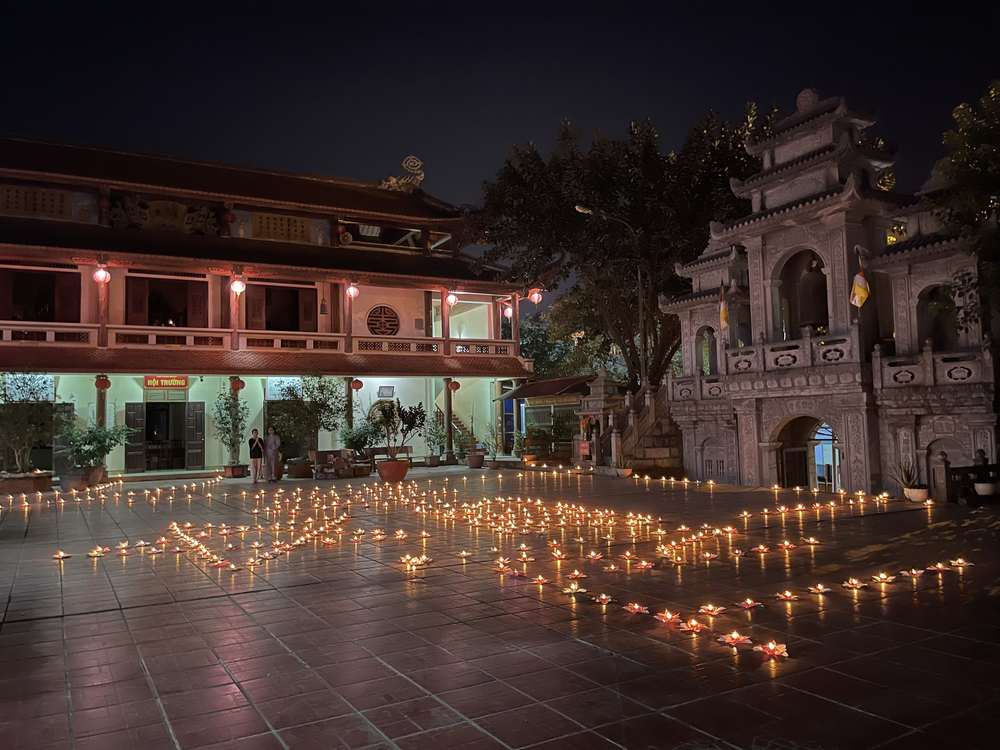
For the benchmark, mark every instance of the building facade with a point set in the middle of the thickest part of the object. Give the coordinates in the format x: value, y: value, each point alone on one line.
x: 803, y: 388
x: 170, y: 276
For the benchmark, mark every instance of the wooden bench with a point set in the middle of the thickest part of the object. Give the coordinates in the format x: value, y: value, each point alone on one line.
x: 405, y: 452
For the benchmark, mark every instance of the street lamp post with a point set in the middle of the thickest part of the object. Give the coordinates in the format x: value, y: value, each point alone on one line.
x: 638, y: 268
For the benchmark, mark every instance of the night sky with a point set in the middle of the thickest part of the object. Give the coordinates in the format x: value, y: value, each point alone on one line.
x: 352, y: 90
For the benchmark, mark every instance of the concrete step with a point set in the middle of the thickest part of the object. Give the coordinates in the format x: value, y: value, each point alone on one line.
x: 658, y: 452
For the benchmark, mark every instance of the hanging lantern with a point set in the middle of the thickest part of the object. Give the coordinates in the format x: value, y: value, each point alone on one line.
x: 341, y: 229
x: 454, y: 385
x: 356, y: 385
x: 434, y: 237
x: 451, y: 299
x: 237, y: 384
x: 102, y: 275
x: 352, y: 290
x: 228, y: 217
x: 508, y: 311
x: 238, y: 285
x: 535, y: 296
x: 102, y: 382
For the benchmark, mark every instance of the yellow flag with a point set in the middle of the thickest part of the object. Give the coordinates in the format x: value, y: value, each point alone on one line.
x: 723, y: 308
x: 859, y: 290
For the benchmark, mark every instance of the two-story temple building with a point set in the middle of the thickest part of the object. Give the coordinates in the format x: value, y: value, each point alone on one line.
x: 168, y: 276
x: 803, y: 388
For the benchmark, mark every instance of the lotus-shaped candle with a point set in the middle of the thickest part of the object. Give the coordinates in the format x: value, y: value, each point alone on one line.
x: 737, y: 553
x: 761, y: 548
x: 853, y: 583
x: 574, y: 588
x: 142, y: 543
x: 98, y: 551
x: 554, y: 543
x: 608, y: 538
x: 961, y: 563
x: 811, y: 541
x: 400, y: 534
x: 628, y: 555
x: 502, y: 561
x: 232, y: 547
x: 612, y: 568
x: 786, y: 596
x: 644, y: 565
x: 253, y: 562
x: 883, y: 578
x: 464, y: 553
x: 525, y: 557
x: 603, y: 599
x: 594, y: 555
x: 711, y: 610
x: 514, y: 573
x: 736, y: 640
x: 772, y: 650
x: 785, y: 544
x: 156, y: 550
x: 577, y: 574
x: 636, y: 609
x: 937, y: 568
x: 682, y: 527
x: 911, y: 573
x: 667, y: 616
x: 693, y: 626
x: 749, y: 604
x: 220, y: 564
x: 60, y: 555
x: 558, y: 554
x: 706, y: 556
x: 540, y: 580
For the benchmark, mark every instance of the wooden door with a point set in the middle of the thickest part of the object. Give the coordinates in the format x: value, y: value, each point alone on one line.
x: 197, y: 307
x: 64, y: 417
x: 255, y: 307
x: 6, y: 293
x: 307, y: 310
x: 196, y: 435
x: 136, y: 301
x: 796, y: 468
x: 67, y: 298
x: 135, y: 448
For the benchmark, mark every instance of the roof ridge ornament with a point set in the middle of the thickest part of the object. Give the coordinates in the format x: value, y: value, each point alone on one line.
x: 408, y: 183
x: 807, y: 100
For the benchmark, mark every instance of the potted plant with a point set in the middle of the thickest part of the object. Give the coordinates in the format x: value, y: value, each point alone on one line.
x: 623, y: 466
x: 435, y: 436
x: 28, y: 420
x: 319, y: 404
x: 906, y: 476
x: 398, y: 424
x: 493, y: 443
x: 518, y: 444
x: 459, y: 440
x: 86, y: 450
x: 230, y: 415
x: 531, y: 442
x: 474, y: 458
x: 359, y: 438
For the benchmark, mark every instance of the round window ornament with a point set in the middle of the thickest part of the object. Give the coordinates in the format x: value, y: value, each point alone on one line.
x: 383, y: 321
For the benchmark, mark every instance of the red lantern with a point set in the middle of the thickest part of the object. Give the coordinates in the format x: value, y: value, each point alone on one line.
x: 103, y: 203
x: 237, y: 384
x: 508, y: 311
x: 356, y: 385
x: 102, y: 382
x: 228, y: 217
x: 454, y: 385
x: 434, y: 238
x: 341, y: 229
x: 102, y: 275
x: 535, y: 296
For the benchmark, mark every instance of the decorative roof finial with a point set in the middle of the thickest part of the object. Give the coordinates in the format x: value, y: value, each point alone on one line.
x: 410, y: 182
x: 807, y: 100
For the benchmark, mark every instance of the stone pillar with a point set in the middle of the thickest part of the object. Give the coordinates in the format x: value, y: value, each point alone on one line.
x: 102, y: 404
x: 349, y: 407
x: 449, y: 442
x: 771, y: 453
x: 234, y: 317
x: 103, y: 304
x: 446, y: 329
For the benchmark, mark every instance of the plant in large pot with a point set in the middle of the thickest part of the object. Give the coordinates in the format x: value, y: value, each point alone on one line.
x: 623, y: 466
x: 435, y: 436
x: 28, y: 420
x: 906, y: 476
x: 230, y: 415
x: 518, y: 444
x: 86, y: 449
x: 319, y: 404
x: 474, y: 457
x: 359, y: 438
x: 493, y: 444
x: 398, y: 424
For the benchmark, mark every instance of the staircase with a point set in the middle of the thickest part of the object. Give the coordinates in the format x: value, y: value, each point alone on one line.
x: 457, y: 424
x: 650, y: 439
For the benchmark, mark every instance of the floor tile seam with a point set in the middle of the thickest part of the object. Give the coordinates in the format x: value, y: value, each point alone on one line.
x: 69, y: 682
x: 926, y: 672
x: 243, y: 691
x: 953, y: 715
x: 312, y: 671
x: 17, y: 567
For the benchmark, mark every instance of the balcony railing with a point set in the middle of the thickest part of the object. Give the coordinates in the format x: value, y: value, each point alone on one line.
x: 59, y: 334
x: 161, y: 336
x: 809, y: 351
x: 930, y: 368
x: 696, y: 388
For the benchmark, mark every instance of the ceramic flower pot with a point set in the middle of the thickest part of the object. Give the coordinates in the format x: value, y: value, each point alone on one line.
x: 392, y: 471
x: 475, y: 460
x: 493, y: 464
x: 985, y: 489
x: 624, y: 472
x: 915, y: 495
x: 434, y: 460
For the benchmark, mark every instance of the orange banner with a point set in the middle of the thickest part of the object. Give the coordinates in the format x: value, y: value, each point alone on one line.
x: 166, y: 381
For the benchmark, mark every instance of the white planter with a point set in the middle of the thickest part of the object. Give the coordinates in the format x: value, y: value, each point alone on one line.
x: 985, y: 489
x: 623, y: 472
x: 917, y: 496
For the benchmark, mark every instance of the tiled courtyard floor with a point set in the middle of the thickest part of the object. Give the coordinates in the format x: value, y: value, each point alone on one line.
x: 337, y: 646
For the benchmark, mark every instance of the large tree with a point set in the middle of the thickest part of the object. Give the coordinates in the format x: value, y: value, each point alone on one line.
x: 969, y: 201
x: 649, y: 210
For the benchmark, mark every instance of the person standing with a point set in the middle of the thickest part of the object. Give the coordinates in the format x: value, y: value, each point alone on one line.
x: 272, y: 454
x: 256, y: 456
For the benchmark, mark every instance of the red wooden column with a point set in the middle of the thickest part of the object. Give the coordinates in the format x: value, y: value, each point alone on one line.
x: 515, y: 324
x: 102, y: 400
x: 348, y: 320
x: 234, y: 316
x: 449, y: 442
x: 445, y: 323
x: 103, y: 312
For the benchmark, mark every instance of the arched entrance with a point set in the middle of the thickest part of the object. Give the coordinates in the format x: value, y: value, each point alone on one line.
x: 936, y: 320
x: 800, y: 298
x: 708, y: 352
x: 808, y: 455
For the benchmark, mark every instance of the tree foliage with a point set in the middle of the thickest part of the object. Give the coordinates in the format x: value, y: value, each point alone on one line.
x: 969, y: 202
x: 320, y: 405
x: 657, y: 207
x: 27, y: 418
x: 398, y: 423
x: 230, y: 415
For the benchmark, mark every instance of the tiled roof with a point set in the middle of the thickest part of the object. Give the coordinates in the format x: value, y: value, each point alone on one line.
x: 799, y: 118
x: 352, y: 259
x: 97, y: 165
x: 691, y: 297
x: 190, y: 361
x: 925, y: 244
x: 764, y: 174
x: 754, y: 218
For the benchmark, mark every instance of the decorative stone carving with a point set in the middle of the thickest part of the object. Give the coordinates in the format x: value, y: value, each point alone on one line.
x: 959, y: 373
x: 408, y: 183
x: 903, y: 376
x: 171, y: 216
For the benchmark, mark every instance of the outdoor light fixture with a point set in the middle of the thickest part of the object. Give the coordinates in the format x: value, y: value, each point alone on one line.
x: 508, y: 311
x: 352, y: 290
x: 584, y: 210
x: 238, y: 285
x: 356, y: 385
x: 535, y: 296
x: 451, y: 299
x: 102, y: 275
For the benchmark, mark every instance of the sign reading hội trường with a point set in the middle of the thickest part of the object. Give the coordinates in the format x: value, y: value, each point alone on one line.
x: 165, y: 381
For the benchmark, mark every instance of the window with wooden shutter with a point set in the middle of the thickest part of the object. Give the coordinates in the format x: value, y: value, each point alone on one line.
x: 307, y: 310
x: 136, y: 301
x: 255, y: 312
x: 197, y: 304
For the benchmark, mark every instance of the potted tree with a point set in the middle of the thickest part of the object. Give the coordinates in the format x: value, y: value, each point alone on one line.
x: 359, y: 438
x: 320, y: 404
x: 86, y: 450
x: 623, y: 466
x: 493, y: 444
x: 28, y: 420
x: 518, y: 444
x: 460, y: 440
x: 398, y: 424
x: 474, y: 458
x: 906, y: 476
x: 435, y: 436
x: 230, y: 415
